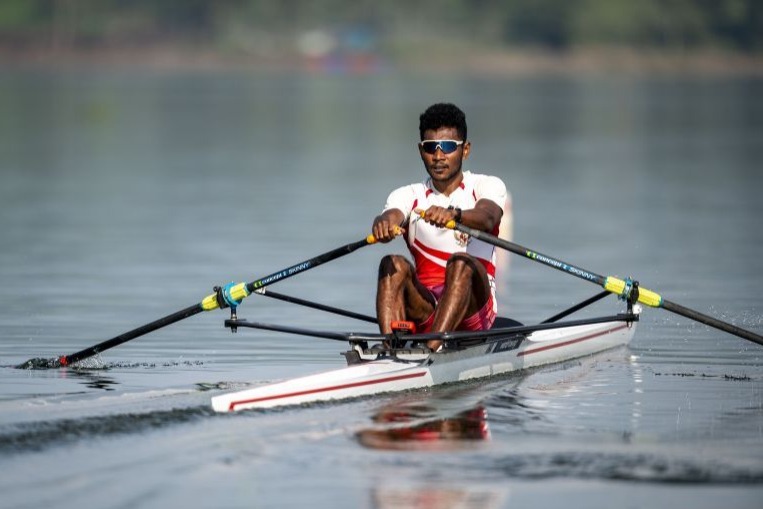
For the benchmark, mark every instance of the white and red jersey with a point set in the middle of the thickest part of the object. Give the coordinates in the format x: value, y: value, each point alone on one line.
x: 430, y: 245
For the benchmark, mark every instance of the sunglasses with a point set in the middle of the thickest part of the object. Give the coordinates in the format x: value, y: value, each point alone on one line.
x: 447, y: 146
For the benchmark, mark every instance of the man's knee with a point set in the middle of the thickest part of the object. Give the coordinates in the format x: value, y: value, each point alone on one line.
x: 460, y: 262
x: 393, y: 264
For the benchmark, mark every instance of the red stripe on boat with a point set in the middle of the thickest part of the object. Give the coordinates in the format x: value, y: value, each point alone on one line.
x: 233, y: 404
x: 570, y: 342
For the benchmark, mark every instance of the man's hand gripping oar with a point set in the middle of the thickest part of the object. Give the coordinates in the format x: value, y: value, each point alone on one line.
x: 229, y: 296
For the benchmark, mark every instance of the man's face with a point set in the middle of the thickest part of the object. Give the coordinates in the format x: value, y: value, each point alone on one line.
x: 443, y: 167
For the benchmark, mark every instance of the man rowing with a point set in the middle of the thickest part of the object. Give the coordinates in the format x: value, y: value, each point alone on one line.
x: 451, y: 284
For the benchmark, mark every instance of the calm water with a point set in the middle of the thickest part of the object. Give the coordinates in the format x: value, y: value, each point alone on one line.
x: 126, y: 196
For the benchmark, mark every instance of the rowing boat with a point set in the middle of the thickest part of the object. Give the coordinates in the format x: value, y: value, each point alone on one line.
x: 506, y: 348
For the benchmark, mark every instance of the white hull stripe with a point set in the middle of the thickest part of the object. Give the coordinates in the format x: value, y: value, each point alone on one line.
x: 571, y: 342
x: 234, y: 404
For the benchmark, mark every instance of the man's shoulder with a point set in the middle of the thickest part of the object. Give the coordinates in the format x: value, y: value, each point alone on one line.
x: 415, y: 187
x: 483, y: 181
x: 406, y: 196
x: 470, y: 176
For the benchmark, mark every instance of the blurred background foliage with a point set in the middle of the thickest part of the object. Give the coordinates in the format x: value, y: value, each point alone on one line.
x: 273, y: 26
x: 555, y: 24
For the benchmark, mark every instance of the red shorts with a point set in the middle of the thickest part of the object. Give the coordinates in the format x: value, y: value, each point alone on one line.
x: 481, y: 320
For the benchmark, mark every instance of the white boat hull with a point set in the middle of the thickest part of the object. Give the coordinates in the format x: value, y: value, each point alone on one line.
x: 415, y: 369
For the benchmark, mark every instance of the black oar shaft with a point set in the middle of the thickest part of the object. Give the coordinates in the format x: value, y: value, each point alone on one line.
x: 535, y: 256
x: 65, y: 360
x: 309, y: 264
x: 211, y: 301
x: 611, y: 284
x: 712, y: 322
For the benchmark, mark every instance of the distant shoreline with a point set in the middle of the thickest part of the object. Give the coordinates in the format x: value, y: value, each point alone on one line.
x: 475, y: 62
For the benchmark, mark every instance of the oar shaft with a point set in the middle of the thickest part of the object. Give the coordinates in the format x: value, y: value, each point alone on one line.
x: 65, y: 360
x: 309, y: 264
x: 611, y: 284
x: 532, y: 255
x: 210, y: 302
x: 243, y: 290
x: 712, y: 322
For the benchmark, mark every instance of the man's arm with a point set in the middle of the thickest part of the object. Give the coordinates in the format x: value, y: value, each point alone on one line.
x: 485, y: 215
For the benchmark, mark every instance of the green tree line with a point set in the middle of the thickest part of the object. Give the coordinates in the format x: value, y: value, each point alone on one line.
x: 732, y: 25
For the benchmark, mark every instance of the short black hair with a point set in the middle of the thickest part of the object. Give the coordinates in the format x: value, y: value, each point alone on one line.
x: 443, y: 115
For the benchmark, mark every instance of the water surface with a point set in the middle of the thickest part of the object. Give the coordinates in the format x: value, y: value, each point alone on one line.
x: 126, y: 196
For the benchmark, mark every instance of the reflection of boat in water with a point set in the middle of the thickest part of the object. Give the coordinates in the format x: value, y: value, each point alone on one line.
x: 431, y: 496
x: 395, y: 428
x: 451, y: 418
x: 453, y: 421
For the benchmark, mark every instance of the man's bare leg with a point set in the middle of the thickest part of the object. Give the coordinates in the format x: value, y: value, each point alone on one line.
x: 466, y: 291
x: 399, y: 294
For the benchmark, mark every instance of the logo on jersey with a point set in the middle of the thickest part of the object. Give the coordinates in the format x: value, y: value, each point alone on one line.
x: 462, y: 239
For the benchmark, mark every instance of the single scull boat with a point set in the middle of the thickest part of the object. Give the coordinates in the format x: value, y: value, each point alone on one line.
x: 509, y: 346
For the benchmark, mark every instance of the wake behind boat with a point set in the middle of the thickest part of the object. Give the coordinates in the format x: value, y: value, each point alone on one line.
x: 508, y: 347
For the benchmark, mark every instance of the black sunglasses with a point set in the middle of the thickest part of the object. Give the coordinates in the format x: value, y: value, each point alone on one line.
x: 447, y: 146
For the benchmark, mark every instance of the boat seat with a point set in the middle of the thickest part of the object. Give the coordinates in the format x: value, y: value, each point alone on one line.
x: 502, y: 321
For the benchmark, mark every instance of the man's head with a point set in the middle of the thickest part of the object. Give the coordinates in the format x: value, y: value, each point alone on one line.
x: 443, y: 147
x: 443, y: 115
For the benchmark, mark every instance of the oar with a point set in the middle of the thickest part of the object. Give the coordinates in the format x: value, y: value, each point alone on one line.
x: 624, y: 288
x: 213, y: 301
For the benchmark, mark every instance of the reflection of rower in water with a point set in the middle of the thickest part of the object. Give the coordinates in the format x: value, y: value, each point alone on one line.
x: 404, y: 428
